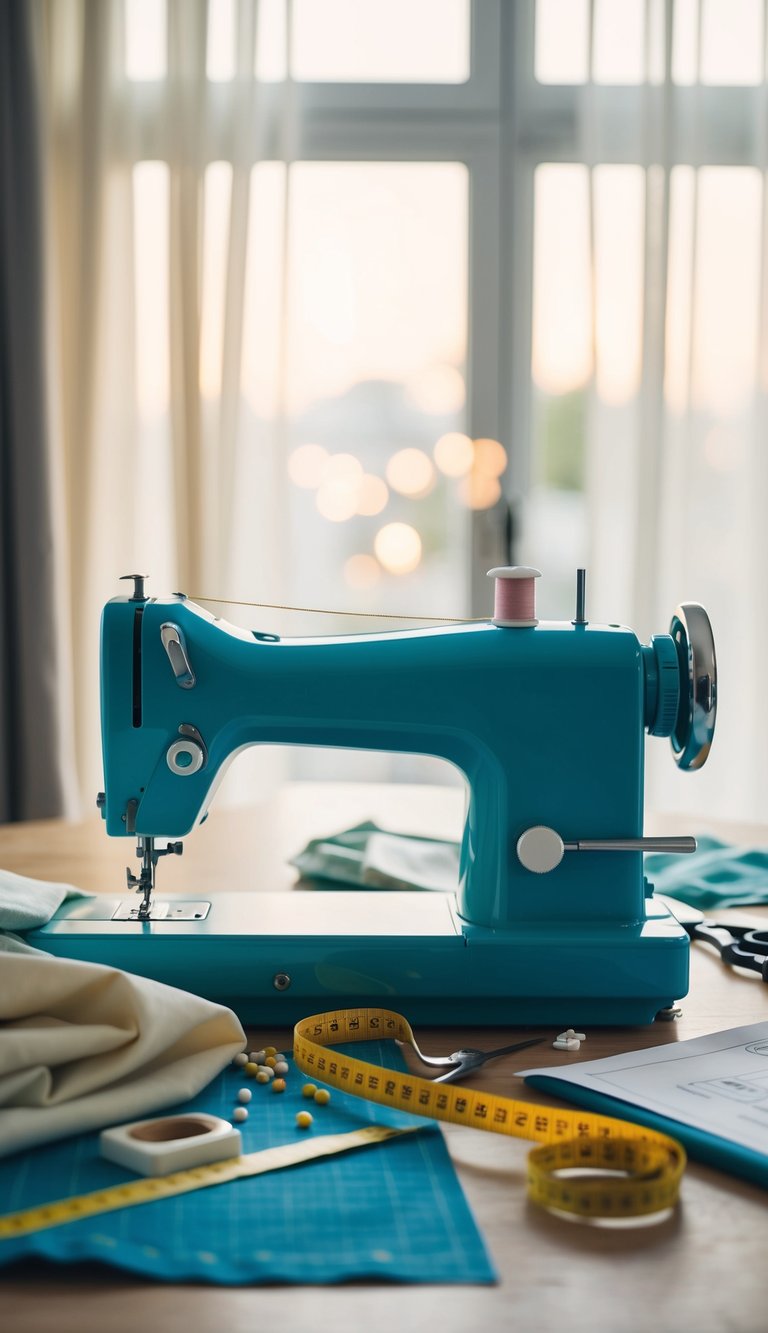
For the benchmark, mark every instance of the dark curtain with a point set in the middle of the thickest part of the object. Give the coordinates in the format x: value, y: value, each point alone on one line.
x: 30, y: 771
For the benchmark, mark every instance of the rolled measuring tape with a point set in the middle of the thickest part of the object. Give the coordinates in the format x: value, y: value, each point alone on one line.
x: 647, y: 1165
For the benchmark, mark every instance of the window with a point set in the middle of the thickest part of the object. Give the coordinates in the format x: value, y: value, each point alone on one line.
x: 494, y: 295
x: 350, y: 201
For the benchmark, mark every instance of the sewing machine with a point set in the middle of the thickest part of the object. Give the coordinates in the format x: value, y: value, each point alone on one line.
x: 552, y: 921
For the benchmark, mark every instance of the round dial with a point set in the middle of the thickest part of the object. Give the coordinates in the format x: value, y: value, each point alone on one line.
x: 695, y: 726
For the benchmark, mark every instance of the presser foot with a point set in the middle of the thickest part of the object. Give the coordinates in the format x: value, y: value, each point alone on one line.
x: 144, y: 882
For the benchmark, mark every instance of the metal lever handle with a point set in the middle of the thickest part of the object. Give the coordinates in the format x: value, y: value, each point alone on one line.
x: 541, y: 849
x: 173, y: 642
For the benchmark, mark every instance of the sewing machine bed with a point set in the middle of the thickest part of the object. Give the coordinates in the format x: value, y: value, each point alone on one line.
x: 277, y: 957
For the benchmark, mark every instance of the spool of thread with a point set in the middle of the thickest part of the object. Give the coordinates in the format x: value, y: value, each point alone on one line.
x: 514, y: 603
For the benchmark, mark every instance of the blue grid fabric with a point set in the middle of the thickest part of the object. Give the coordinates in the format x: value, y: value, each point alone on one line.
x: 395, y: 1211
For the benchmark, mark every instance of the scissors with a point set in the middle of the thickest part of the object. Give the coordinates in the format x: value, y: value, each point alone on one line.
x: 739, y: 946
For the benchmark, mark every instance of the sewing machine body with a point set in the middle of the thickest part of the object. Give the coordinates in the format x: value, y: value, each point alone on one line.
x: 393, y: 949
x: 547, y: 724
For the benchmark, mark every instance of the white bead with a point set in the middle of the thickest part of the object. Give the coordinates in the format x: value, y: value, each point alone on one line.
x: 566, y: 1044
x: 281, y: 1067
x: 258, y: 1057
x: 244, y: 1095
x: 240, y: 1059
x: 265, y: 1069
x: 240, y: 1113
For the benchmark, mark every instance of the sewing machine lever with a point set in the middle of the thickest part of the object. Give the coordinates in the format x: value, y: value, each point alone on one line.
x: 541, y: 849
x: 173, y: 642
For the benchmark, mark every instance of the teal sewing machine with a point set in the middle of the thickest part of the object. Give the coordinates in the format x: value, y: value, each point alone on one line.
x: 552, y: 920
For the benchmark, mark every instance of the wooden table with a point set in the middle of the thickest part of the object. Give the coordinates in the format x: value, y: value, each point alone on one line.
x: 705, y: 1268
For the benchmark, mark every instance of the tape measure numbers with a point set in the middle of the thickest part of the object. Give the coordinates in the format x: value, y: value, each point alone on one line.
x: 650, y: 1164
x: 149, y: 1188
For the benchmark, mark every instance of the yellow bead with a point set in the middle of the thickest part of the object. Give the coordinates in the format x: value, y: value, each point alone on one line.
x: 271, y: 1061
x: 250, y: 1069
x: 322, y: 1096
x: 303, y: 1120
x: 263, y: 1077
x: 270, y: 1050
x: 278, y: 1085
x: 309, y: 1090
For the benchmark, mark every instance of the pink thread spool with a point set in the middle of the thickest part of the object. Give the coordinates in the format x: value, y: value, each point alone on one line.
x: 514, y: 603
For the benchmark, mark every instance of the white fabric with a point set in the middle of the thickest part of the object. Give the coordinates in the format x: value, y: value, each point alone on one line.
x: 26, y: 903
x: 84, y: 1046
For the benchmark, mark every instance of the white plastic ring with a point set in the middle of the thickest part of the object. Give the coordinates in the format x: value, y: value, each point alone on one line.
x: 184, y: 767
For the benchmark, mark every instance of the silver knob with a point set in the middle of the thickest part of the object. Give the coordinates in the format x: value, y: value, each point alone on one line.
x: 173, y: 642
x: 540, y: 849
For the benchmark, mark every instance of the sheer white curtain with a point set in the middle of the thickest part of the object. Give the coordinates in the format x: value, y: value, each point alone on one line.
x: 148, y: 438
x: 677, y: 453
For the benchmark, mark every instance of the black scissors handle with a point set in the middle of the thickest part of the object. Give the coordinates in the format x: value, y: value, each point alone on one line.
x: 740, y: 946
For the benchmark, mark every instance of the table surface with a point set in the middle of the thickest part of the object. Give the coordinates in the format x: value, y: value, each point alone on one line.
x: 705, y: 1267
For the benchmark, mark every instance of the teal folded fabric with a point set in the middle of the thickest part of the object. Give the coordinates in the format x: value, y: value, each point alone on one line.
x: 717, y: 874
x: 368, y: 857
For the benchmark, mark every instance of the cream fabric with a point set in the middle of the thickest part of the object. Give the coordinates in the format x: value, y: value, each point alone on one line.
x: 84, y: 1046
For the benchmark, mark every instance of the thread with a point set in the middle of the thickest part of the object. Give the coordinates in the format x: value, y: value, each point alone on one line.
x: 327, y: 611
x: 514, y: 599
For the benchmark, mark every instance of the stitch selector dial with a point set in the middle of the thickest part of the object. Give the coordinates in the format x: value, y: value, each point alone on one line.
x: 695, y: 726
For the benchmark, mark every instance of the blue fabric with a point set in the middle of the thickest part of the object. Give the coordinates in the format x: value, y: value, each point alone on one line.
x: 715, y: 875
x: 394, y: 1211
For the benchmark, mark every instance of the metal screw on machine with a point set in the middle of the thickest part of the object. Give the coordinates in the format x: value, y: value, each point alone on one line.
x: 281, y: 981
x: 541, y: 849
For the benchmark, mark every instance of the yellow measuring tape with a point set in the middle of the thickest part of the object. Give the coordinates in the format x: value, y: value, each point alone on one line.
x: 149, y: 1188
x: 650, y: 1164
x: 646, y: 1166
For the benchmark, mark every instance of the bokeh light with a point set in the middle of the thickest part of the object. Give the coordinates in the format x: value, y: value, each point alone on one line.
x: 478, y: 491
x: 372, y: 496
x: 306, y: 465
x: 438, y: 389
x: 411, y: 472
x: 361, y: 571
x: 398, y: 547
x: 490, y: 458
x: 338, y: 497
x: 342, y: 465
x: 454, y: 454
